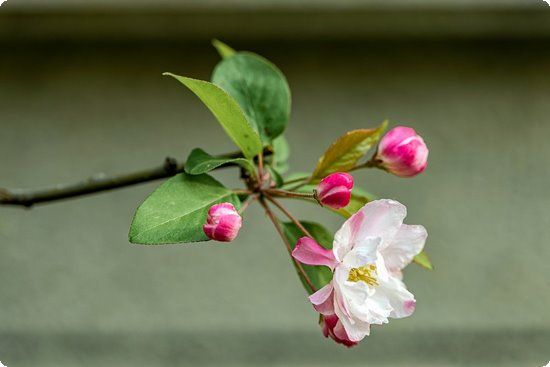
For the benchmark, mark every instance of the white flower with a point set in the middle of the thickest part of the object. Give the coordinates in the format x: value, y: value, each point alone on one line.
x: 369, y: 252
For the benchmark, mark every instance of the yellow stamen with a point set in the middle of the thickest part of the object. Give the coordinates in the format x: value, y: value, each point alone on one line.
x: 366, y: 274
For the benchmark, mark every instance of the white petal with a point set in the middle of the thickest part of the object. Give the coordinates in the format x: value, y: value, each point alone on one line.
x: 407, y: 243
x: 364, y: 253
x: 401, y: 300
x: 355, y: 328
x: 366, y: 304
x: 383, y: 218
x: 379, y: 218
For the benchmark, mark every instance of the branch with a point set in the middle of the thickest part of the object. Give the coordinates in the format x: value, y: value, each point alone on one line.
x: 97, y: 183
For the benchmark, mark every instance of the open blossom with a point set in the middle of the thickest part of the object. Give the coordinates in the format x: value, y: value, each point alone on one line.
x: 368, y: 255
x: 222, y: 223
x: 402, y: 152
x: 335, y: 190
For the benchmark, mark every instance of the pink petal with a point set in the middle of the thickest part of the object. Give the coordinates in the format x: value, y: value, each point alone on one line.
x: 323, y: 300
x: 308, y: 251
x: 341, y: 335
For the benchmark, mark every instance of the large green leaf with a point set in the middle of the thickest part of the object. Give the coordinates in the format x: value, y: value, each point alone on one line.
x: 423, y: 260
x: 176, y: 211
x: 227, y: 112
x: 200, y: 162
x: 319, y: 275
x: 347, y: 150
x: 224, y: 50
x: 260, y: 89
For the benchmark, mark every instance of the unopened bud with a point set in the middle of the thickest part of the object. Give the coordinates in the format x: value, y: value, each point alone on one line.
x: 222, y: 223
x: 334, y: 190
x: 402, y: 152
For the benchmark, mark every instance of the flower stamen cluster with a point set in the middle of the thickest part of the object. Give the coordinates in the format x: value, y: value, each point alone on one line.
x: 365, y: 274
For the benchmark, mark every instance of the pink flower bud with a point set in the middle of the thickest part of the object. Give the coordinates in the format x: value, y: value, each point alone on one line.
x: 222, y: 223
x: 402, y: 152
x: 335, y: 190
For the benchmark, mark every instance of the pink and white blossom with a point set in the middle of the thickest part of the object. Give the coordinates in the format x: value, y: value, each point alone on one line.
x: 222, y: 223
x: 369, y: 253
x: 334, y: 190
x: 402, y: 152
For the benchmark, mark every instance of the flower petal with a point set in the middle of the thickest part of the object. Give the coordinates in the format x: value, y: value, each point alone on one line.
x: 407, y: 243
x: 355, y: 328
x: 323, y: 300
x: 379, y: 218
x: 364, y: 252
x: 341, y: 336
x: 308, y: 251
x: 366, y: 303
x: 401, y: 300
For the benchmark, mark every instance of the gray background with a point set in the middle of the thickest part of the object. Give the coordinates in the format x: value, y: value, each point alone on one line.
x: 74, y: 292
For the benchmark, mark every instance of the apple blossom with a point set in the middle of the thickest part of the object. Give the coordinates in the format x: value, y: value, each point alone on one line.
x: 402, y: 152
x: 368, y: 255
x: 222, y: 223
x: 334, y: 190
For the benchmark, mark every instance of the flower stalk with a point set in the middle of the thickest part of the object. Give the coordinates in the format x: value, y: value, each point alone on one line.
x: 288, y: 214
x: 279, y: 229
x: 289, y: 194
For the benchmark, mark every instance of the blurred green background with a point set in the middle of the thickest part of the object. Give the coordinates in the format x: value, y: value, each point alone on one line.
x: 81, y: 92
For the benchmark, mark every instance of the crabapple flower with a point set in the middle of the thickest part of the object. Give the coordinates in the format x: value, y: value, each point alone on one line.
x: 222, y: 223
x: 369, y: 252
x: 402, y: 152
x: 334, y: 190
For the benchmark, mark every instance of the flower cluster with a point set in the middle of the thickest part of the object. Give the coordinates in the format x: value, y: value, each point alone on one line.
x: 369, y: 251
x: 354, y: 277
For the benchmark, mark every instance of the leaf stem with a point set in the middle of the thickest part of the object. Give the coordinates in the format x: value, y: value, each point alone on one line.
x: 372, y: 163
x: 278, y: 228
x: 288, y: 214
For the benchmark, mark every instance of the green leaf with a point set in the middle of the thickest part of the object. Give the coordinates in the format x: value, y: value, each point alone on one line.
x: 224, y: 50
x: 423, y: 260
x: 260, y: 89
x: 344, y: 153
x: 200, y: 162
x: 281, y: 153
x: 319, y: 275
x: 176, y: 211
x: 227, y: 112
